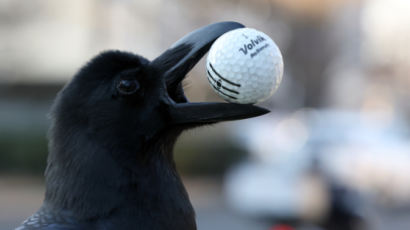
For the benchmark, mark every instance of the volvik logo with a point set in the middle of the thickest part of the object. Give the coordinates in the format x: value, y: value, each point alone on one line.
x: 252, y: 44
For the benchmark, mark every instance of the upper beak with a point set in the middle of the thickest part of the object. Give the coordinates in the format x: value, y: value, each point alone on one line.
x: 179, y: 59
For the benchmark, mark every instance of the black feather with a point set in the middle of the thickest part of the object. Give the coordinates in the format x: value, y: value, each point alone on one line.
x: 110, y: 160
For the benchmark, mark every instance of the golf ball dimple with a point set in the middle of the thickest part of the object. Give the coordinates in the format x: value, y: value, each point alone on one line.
x: 244, y: 66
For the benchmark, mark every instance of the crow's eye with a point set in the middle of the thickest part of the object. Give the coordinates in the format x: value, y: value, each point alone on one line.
x: 128, y: 86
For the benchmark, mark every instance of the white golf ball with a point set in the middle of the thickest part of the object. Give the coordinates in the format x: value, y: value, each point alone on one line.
x: 244, y: 66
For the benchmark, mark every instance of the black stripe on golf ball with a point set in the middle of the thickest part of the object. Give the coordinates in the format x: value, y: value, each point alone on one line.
x: 230, y: 82
x: 218, y: 88
x: 219, y: 84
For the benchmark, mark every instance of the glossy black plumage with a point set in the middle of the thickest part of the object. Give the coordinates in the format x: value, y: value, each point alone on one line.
x: 110, y: 163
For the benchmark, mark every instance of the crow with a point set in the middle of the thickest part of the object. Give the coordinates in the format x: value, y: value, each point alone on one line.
x: 113, y: 127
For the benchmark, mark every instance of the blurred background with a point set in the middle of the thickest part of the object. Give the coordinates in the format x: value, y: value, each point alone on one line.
x: 334, y: 151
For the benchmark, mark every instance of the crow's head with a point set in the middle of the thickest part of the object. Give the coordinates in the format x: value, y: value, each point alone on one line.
x: 120, y: 111
x: 123, y: 96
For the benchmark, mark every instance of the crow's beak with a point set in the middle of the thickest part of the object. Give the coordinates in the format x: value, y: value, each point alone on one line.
x: 211, y: 112
x: 178, y: 60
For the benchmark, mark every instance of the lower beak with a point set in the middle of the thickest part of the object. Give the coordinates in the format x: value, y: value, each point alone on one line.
x: 179, y: 59
x: 206, y: 113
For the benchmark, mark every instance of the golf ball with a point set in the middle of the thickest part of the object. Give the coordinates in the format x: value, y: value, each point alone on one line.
x: 244, y: 66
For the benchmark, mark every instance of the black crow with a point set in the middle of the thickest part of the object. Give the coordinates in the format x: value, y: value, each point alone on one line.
x: 110, y: 162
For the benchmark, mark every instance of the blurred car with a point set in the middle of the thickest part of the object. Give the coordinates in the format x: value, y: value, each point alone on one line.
x: 307, y: 166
